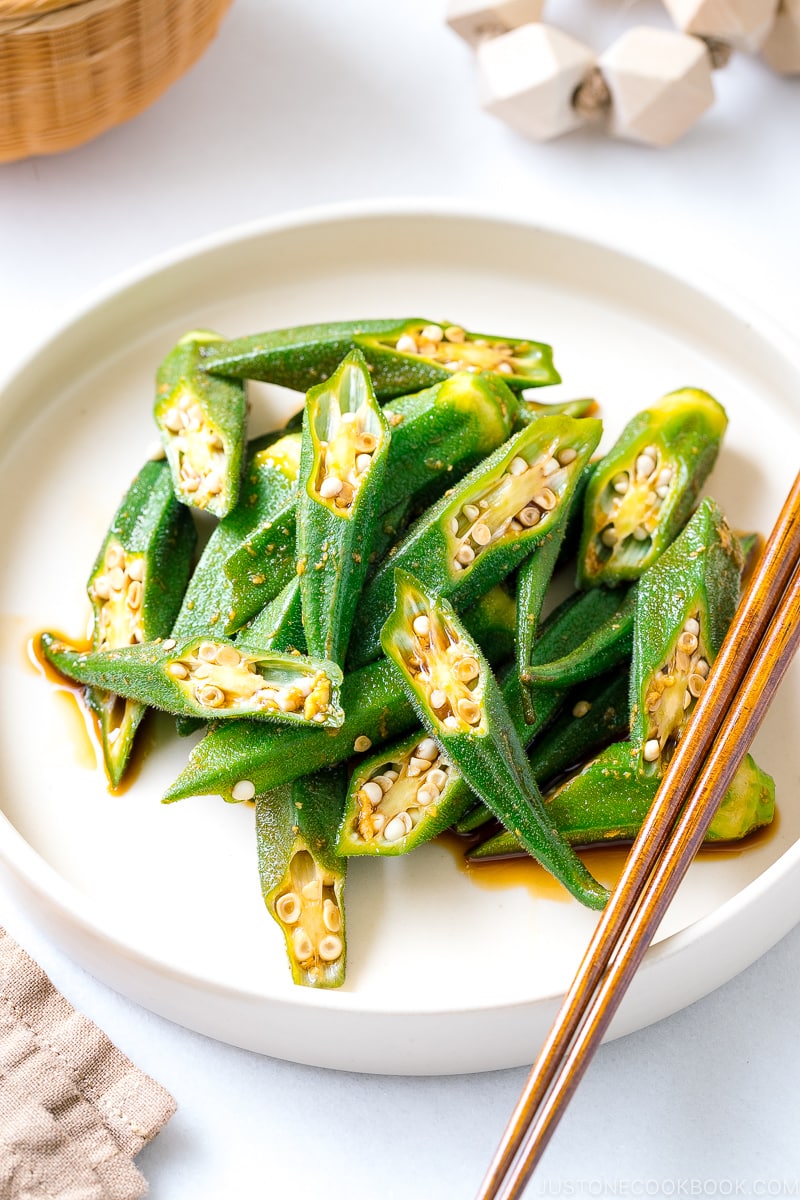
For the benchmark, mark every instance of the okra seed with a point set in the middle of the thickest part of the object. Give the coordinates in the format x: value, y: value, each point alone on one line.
x: 687, y: 698
x: 116, y: 578
x: 609, y: 536
x: 517, y: 466
x: 215, y: 441
x: 365, y: 443
x: 581, y: 708
x: 209, y: 695
x: 438, y: 698
x: 383, y: 782
x: 135, y: 569
x: 691, y: 625
x: 467, y: 669
x: 529, y: 517
x: 701, y: 666
x: 373, y: 792
x: 651, y: 451
x: 454, y: 525
x: 330, y: 948
x: 454, y: 333
x: 687, y: 642
x: 228, y: 656
x: 514, y: 526
x: 664, y: 476
x: 243, y: 789
x: 652, y: 750
x: 436, y: 778
x: 134, y: 596
x: 168, y: 644
x: 645, y: 465
x: 287, y: 907
x: 378, y: 821
x: 432, y: 333
x: 420, y: 764
x: 550, y: 467
x: 190, y: 485
x: 640, y: 534
x: 207, y: 651
x: 505, y: 368
x: 113, y: 736
x: 362, y: 462
x: 427, y: 749
x: 471, y: 512
x: 469, y: 711
x: 481, y: 534
x: 391, y: 775
x: 398, y: 827
x: 696, y: 683
x: 426, y: 795
x: 546, y: 499
x: 301, y: 944
x: 178, y: 670
x: 331, y: 486
x: 465, y: 555
x: 173, y: 419
x: 102, y: 587
x: 620, y: 483
x: 662, y: 491
x: 406, y: 344
x: 682, y: 662
x: 362, y: 743
x: 312, y: 891
x: 155, y: 451
x: 331, y: 916
x: 421, y: 625
x: 450, y: 723
x: 412, y: 771
x: 567, y: 455
x: 213, y: 483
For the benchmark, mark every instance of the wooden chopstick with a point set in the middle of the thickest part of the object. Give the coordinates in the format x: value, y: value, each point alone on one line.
x: 745, y: 670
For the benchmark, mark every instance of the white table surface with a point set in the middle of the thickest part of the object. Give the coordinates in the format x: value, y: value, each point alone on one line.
x: 298, y: 104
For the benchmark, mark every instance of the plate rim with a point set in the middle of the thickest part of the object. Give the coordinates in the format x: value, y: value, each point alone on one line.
x: 30, y: 868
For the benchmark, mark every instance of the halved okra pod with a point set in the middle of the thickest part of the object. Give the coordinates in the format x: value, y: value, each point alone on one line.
x: 607, y: 801
x: 403, y: 355
x: 452, y: 688
x: 376, y: 710
x: 685, y: 603
x: 342, y: 465
x: 475, y: 536
x: 210, y: 678
x: 437, y: 436
x: 641, y: 494
x: 302, y: 876
x: 135, y: 588
x: 201, y: 420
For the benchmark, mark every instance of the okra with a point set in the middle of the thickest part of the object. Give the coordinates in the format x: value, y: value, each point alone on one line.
x: 437, y: 436
x: 643, y: 491
x: 492, y: 621
x: 302, y: 876
x: 342, y: 465
x: 135, y: 588
x: 403, y: 355
x: 609, y: 642
x: 685, y: 603
x: 209, y: 678
x: 201, y: 419
x: 279, y: 626
x: 376, y: 710
x: 475, y: 536
x: 533, y: 580
x: 608, y: 800
x: 454, y: 692
x: 530, y: 410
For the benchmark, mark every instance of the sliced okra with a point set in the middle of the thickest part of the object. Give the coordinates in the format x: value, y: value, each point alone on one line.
x: 201, y: 419
x: 343, y: 461
x: 476, y: 535
x: 685, y: 603
x: 209, y: 678
x: 400, y: 798
x: 530, y: 410
x: 437, y: 435
x: 609, y: 641
x: 376, y: 711
x: 403, y: 355
x: 135, y: 588
x: 641, y: 494
x: 302, y: 876
x: 607, y: 801
x: 533, y: 580
x: 452, y: 688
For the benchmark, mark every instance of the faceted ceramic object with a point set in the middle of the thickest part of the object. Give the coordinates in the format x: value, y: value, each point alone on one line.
x: 660, y: 84
x: 742, y: 23
x: 475, y: 20
x: 781, y: 50
x: 528, y: 78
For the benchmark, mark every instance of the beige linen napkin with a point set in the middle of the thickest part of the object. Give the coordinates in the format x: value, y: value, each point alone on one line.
x: 73, y: 1110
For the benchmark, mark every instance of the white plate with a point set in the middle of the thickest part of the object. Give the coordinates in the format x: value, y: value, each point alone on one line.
x: 162, y: 902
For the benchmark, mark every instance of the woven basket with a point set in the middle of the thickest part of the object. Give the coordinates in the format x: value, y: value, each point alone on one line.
x: 70, y: 71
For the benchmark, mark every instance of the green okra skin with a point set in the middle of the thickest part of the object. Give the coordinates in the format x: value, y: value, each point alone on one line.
x: 533, y: 581
x: 608, y: 800
x: 202, y: 420
x: 685, y: 604
x: 595, y: 714
x: 302, y: 876
x: 530, y: 410
x: 642, y: 493
x: 609, y: 641
x: 209, y: 678
x: 476, y: 535
x: 456, y: 696
x: 135, y: 588
x: 492, y: 622
x: 389, y: 529
x: 437, y: 436
x: 343, y: 459
x: 279, y: 626
x: 403, y: 355
x: 376, y: 710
